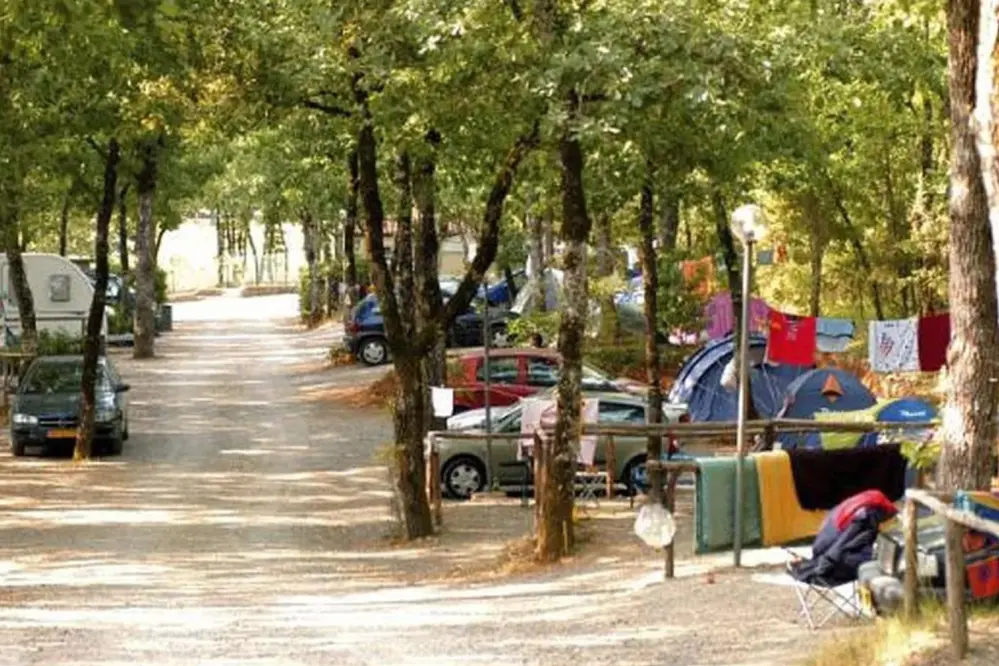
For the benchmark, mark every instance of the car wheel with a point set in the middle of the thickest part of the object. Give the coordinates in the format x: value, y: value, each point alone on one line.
x: 124, y: 433
x: 463, y: 477
x: 16, y: 448
x: 373, y: 351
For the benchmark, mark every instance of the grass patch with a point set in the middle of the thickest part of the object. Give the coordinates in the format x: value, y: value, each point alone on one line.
x: 888, y: 642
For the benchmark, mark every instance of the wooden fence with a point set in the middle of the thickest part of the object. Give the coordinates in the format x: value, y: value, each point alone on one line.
x: 956, y: 522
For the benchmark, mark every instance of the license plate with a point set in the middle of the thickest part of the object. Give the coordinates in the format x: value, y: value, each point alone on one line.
x: 61, y: 433
x: 866, y: 601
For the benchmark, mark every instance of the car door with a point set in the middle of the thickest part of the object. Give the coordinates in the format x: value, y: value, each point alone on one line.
x: 115, y: 379
x: 612, y: 412
x: 504, y: 373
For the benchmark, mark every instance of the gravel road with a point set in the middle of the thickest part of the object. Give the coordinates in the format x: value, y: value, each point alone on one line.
x: 245, y: 525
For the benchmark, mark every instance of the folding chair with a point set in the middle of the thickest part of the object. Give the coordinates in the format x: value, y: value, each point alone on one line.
x: 589, y: 482
x: 821, y: 600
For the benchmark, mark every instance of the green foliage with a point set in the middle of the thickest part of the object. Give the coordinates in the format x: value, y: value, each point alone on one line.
x: 523, y: 329
x: 681, y: 307
x: 58, y: 343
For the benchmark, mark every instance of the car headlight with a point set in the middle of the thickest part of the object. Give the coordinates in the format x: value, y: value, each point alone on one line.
x: 25, y: 419
x: 105, y: 414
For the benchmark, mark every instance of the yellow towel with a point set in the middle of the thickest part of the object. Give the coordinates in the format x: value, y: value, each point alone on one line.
x: 784, y: 521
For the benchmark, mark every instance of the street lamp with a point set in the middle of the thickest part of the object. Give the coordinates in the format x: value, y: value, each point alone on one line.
x: 749, y: 225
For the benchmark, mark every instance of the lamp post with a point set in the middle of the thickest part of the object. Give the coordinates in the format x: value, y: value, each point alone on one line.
x: 749, y: 225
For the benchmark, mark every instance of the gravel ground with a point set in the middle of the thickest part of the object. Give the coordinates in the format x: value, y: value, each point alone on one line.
x: 247, y: 525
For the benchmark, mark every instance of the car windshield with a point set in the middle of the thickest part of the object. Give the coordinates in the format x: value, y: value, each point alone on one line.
x: 62, y: 377
x: 594, y: 379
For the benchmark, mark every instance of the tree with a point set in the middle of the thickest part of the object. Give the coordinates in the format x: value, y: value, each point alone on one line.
x: 95, y: 318
x: 969, y: 423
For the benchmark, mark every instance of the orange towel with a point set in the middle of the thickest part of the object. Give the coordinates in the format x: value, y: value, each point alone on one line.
x: 784, y: 521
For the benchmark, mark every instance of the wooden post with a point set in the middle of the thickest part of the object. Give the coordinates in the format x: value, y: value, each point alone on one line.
x: 435, y: 481
x: 956, y: 589
x: 539, y: 475
x: 671, y: 479
x: 611, y: 466
x: 911, y: 560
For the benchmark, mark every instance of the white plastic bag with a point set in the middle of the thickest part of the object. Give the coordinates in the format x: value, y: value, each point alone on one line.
x: 655, y: 525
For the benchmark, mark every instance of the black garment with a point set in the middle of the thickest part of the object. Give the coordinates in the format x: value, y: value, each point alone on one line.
x: 823, y: 479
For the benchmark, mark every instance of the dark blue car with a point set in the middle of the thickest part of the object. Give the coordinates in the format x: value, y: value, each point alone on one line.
x: 364, y: 334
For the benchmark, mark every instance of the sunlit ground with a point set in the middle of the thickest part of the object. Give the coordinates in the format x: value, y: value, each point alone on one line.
x: 247, y: 525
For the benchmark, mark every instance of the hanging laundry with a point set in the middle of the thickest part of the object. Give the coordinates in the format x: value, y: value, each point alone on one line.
x: 893, y: 345
x: 833, y: 335
x: 933, y: 339
x: 791, y: 340
x: 718, y: 318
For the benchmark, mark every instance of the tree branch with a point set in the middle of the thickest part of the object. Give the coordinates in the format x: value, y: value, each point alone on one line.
x: 328, y: 109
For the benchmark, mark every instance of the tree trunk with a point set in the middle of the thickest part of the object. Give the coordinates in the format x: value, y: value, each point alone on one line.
x: 732, y: 270
x: 145, y: 248
x: 9, y: 227
x: 609, y: 325
x: 159, y: 241
x: 64, y: 226
x: 314, y: 308
x: 670, y: 222
x: 123, y: 230
x: 969, y: 418
x: 653, y: 366
x: 253, y: 251
x: 95, y: 318
x: 429, y: 302
x: 555, y: 528
x: 817, y: 249
x: 858, y: 249
x: 220, y: 245
x: 402, y: 263
x: 548, y: 226
x: 536, y: 251
x: 349, y: 225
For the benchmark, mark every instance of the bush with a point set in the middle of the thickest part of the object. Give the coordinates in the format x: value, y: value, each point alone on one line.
x: 58, y: 343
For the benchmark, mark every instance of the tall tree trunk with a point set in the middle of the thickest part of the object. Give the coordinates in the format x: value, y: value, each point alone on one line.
x: 609, y: 326
x: 856, y: 242
x: 555, y: 529
x: 670, y: 221
x: 429, y: 302
x: 653, y: 365
x: 816, y: 254
x: 536, y: 251
x: 732, y: 270
x: 314, y: 308
x: 349, y: 225
x: 123, y: 230
x: 408, y: 472
x: 548, y: 225
x: 220, y: 246
x: 159, y: 242
x: 253, y: 251
x: 64, y: 225
x: 402, y: 263
x: 9, y: 228
x: 95, y: 318
x: 145, y: 248
x: 969, y: 421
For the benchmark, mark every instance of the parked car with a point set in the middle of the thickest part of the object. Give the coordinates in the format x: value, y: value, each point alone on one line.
x: 45, y: 407
x: 463, y: 461
x: 364, y: 335
x: 516, y: 373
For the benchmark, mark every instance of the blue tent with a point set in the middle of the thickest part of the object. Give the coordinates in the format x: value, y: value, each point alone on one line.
x: 699, y: 382
x: 822, y: 390
x: 903, y: 410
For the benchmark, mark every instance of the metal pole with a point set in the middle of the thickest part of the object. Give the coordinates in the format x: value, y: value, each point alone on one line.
x: 487, y: 372
x: 740, y: 455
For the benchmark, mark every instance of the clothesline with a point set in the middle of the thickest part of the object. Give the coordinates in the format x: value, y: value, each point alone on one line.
x: 898, y: 345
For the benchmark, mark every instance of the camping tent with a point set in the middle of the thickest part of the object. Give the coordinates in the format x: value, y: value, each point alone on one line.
x: 698, y: 383
x: 819, y: 391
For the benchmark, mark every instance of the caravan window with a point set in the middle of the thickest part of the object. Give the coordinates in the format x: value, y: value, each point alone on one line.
x: 59, y: 286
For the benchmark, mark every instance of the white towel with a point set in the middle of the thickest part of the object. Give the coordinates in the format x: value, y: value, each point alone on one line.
x: 894, y: 345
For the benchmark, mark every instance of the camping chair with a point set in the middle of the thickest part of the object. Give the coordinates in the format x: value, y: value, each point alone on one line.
x: 820, y: 600
x: 590, y: 481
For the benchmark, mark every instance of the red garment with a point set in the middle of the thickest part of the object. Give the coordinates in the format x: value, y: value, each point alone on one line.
x: 934, y: 337
x: 983, y: 578
x: 792, y: 339
x: 868, y: 499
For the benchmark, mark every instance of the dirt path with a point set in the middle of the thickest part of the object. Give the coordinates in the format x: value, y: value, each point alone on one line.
x: 246, y: 525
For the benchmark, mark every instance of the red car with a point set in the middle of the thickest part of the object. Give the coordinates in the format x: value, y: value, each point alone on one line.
x: 514, y: 374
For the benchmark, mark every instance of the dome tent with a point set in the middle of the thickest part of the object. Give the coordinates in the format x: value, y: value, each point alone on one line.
x: 698, y: 383
x: 821, y: 391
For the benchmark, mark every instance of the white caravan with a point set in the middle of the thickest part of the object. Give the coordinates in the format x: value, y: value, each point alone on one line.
x: 61, y: 291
